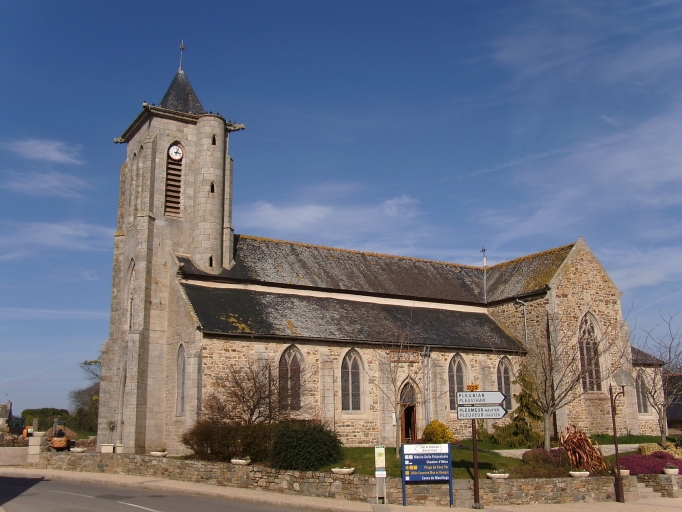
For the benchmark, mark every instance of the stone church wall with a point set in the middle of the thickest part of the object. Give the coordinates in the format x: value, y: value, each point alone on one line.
x: 581, y: 286
x: 373, y: 423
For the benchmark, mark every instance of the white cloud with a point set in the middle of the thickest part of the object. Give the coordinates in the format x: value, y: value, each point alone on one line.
x: 25, y: 239
x: 636, y: 172
x: 46, y: 150
x: 390, y: 225
x: 46, y: 184
x: 649, y: 267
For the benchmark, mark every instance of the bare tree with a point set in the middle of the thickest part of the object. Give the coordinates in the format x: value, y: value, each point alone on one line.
x: 257, y: 392
x: 563, y: 363
x: 399, y: 362
x: 660, y: 383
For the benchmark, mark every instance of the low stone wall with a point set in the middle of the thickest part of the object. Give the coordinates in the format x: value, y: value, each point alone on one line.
x: 351, y: 487
x: 667, y: 485
x: 13, y: 456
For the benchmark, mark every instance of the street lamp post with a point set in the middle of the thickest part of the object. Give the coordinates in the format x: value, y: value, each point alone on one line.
x: 622, y: 378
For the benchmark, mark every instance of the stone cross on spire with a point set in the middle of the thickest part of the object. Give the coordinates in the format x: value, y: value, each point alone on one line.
x: 182, y: 49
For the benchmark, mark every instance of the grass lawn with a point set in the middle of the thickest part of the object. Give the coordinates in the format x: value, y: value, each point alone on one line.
x: 362, y: 459
x: 607, y: 439
x: 489, y: 445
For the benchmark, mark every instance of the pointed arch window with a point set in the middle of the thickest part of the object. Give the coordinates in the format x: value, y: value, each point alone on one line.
x: 589, y: 355
x: 456, y: 380
x: 350, y: 382
x: 504, y: 382
x: 173, y: 181
x: 642, y: 400
x: 181, y: 369
x: 290, y: 379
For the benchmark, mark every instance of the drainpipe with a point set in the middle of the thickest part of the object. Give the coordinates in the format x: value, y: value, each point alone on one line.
x: 525, y: 323
x: 426, y: 365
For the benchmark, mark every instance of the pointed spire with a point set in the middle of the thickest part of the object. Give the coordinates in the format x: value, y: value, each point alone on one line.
x: 180, y: 96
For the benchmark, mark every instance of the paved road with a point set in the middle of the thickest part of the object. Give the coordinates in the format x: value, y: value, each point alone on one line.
x: 24, y: 490
x: 38, y: 495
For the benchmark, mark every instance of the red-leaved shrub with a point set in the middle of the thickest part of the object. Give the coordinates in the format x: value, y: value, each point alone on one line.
x: 648, y: 464
x: 539, y: 457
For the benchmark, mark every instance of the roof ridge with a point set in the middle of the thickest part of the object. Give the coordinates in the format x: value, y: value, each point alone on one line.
x: 532, y: 255
x: 355, y: 251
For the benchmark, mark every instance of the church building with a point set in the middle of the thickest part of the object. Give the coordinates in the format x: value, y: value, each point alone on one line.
x: 372, y: 333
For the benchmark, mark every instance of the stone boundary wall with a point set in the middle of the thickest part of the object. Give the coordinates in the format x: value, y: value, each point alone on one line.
x: 667, y: 485
x: 13, y: 456
x: 351, y: 487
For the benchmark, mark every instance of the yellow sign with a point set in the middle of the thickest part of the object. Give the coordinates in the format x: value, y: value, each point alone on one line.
x: 380, y: 457
x: 472, y: 387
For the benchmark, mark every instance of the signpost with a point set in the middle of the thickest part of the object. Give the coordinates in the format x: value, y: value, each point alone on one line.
x: 480, y: 412
x: 426, y: 463
x: 478, y: 405
x: 380, y: 472
x: 480, y: 397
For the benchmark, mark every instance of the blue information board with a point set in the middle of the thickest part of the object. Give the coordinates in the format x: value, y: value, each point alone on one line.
x: 426, y: 463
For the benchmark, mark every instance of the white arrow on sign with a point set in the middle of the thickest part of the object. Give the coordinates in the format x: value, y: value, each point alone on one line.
x: 477, y: 412
x: 480, y: 397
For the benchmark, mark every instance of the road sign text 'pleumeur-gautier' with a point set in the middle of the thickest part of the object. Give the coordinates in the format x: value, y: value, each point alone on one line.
x: 479, y: 405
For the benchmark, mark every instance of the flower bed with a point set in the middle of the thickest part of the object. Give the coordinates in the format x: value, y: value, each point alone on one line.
x: 654, y: 463
x: 649, y: 448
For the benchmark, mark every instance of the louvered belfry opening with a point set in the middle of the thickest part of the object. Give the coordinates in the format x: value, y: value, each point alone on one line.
x: 173, y: 186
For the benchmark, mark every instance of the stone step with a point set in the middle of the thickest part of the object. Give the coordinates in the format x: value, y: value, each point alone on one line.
x: 645, y: 492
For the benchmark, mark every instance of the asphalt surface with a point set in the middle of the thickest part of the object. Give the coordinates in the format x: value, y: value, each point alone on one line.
x: 39, y: 495
x: 23, y: 487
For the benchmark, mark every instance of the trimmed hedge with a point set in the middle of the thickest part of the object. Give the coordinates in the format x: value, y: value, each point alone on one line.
x: 305, y: 446
x: 542, y: 464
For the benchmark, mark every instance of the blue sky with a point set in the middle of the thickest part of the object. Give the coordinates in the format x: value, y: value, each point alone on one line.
x: 428, y: 129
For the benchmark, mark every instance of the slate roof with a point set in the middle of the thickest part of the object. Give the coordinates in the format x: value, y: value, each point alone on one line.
x: 291, y: 263
x: 227, y: 311
x: 526, y: 274
x: 294, y: 264
x: 641, y: 358
x: 181, y: 97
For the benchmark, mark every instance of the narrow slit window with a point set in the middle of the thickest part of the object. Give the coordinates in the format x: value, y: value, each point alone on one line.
x: 212, y: 188
x: 173, y: 182
x: 181, y: 368
x: 213, y: 140
x: 210, y: 261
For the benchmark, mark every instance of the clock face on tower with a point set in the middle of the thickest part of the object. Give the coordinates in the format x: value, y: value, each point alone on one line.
x: 175, y: 152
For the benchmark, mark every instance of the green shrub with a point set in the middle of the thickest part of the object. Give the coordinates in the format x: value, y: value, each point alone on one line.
x: 305, y: 446
x: 482, y: 433
x: 438, y: 433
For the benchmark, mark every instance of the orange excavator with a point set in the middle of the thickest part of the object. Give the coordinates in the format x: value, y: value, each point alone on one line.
x: 59, y: 439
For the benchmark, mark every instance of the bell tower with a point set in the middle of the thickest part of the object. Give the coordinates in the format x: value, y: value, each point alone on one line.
x: 175, y: 198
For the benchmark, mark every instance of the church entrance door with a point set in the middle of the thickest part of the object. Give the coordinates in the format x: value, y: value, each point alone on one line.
x: 408, y: 418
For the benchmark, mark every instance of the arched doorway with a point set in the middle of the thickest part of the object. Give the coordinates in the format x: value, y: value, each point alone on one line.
x: 408, y: 418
